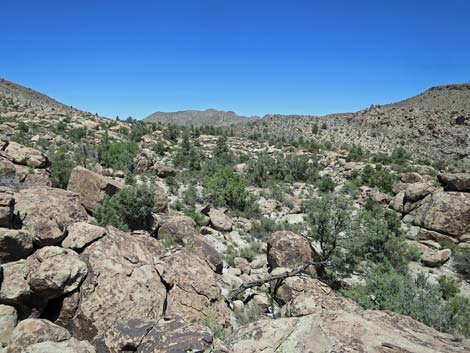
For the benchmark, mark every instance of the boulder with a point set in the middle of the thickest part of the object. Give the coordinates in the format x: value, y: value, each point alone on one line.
x: 411, y: 178
x: 8, y: 320
x: 32, y: 178
x: 92, y: 187
x: 444, y: 212
x: 14, y: 244
x: 398, y: 202
x: 14, y: 286
x: 47, y: 212
x: 305, y: 295
x: 455, y: 182
x: 52, y: 272
x: 436, y: 258
x: 417, y: 191
x: 341, y: 331
x: 81, y: 234
x: 71, y: 345
x: 220, y: 221
x: 161, y: 200
x: 163, y: 336
x: 165, y: 171
x: 7, y: 206
x: 194, y: 294
x: 7, y: 172
x: 183, y: 228
x: 287, y: 249
x: 123, y: 283
x: 30, y: 157
x: 31, y: 331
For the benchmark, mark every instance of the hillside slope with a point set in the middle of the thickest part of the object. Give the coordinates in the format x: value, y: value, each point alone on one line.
x: 210, y: 117
x: 432, y: 125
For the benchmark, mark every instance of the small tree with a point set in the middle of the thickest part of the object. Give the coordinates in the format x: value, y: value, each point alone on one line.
x: 225, y: 188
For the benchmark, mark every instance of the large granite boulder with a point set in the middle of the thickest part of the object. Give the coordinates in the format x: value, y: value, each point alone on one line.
x: 163, y: 336
x: 81, y: 234
x: 455, y: 182
x: 47, y: 212
x: 8, y: 320
x: 287, y: 249
x: 341, y: 331
x: 52, y: 272
x: 123, y: 283
x: 92, y: 187
x: 20, y: 154
x: 71, y: 345
x: 14, y: 244
x: 194, y: 293
x: 31, y: 331
x: 444, y: 212
x: 182, y: 228
x: 220, y: 221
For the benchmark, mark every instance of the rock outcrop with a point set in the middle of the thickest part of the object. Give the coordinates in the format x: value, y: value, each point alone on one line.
x: 92, y: 187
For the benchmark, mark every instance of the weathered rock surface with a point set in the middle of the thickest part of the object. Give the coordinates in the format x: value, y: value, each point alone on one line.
x: 182, y: 228
x: 47, y: 212
x: 161, y: 199
x: 31, y: 331
x: 8, y: 320
x: 194, y: 293
x: 14, y: 244
x: 163, y: 336
x: 220, y: 221
x: 436, y: 258
x: 71, y: 345
x: 14, y: 287
x: 445, y: 212
x: 340, y: 331
x: 81, y: 234
x: 7, y: 206
x: 92, y: 187
x: 26, y: 156
x: 53, y: 271
x: 455, y: 182
x: 123, y: 283
x: 287, y: 249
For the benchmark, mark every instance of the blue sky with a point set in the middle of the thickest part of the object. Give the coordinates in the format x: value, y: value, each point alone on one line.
x: 131, y: 58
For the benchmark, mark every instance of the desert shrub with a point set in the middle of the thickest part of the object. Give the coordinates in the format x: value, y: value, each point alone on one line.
x: 159, y: 148
x: 211, y: 322
x: 378, y: 177
x: 226, y: 188
x: 187, y: 156
x: 247, y: 253
x: 222, y: 152
x: 171, y: 132
x: 356, y: 154
x: 61, y: 167
x: 190, y: 196
x: 263, y: 228
x: 196, y: 216
x: 377, y: 237
x: 172, y: 183
x: 400, y: 156
x: 448, y: 286
x: 139, y: 129
x: 129, y: 209
x: 77, y: 133
x: 117, y: 155
x: 230, y: 254
x: 169, y: 241
x: 326, y: 184
x: 387, y: 289
x: 462, y: 261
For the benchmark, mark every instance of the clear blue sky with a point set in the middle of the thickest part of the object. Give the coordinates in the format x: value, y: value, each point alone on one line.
x: 126, y: 58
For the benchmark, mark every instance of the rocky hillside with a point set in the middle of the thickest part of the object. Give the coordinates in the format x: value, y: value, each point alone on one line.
x: 120, y: 237
x: 434, y: 125
x: 210, y: 117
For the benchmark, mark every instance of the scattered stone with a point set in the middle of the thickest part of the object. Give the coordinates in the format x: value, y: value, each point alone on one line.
x: 8, y: 320
x: 220, y: 221
x: 287, y: 249
x: 81, y: 234
x: 436, y: 258
x: 14, y: 244
x: 26, y: 156
x: 183, y: 228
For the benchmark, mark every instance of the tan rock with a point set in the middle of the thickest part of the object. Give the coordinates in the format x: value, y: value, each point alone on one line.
x: 14, y: 244
x: 182, y: 228
x: 71, y: 345
x: 455, y: 182
x: 8, y: 320
x: 220, y: 221
x: 53, y: 271
x: 445, y: 212
x: 123, y: 283
x: 436, y: 258
x: 92, y: 187
x: 81, y: 234
x: 31, y: 331
x: 47, y: 212
x: 7, y: 206
x: 287, y: 249
x: 26, y: 156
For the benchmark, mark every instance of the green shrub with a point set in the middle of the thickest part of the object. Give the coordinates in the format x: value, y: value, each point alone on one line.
x: 61, y: 167
x: 226, y: 188
x: 448, y: 286
x: 117, y: 155
x: 172, y: 184
x: 356, y: 154
x: 247, y: 253
x: 378, y: 177
x: 129, y: 209
x: 326, y: 184
x: 230, y: 254
x: 196, y: 216
x: 462, y: 261
x: 169, y: 241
